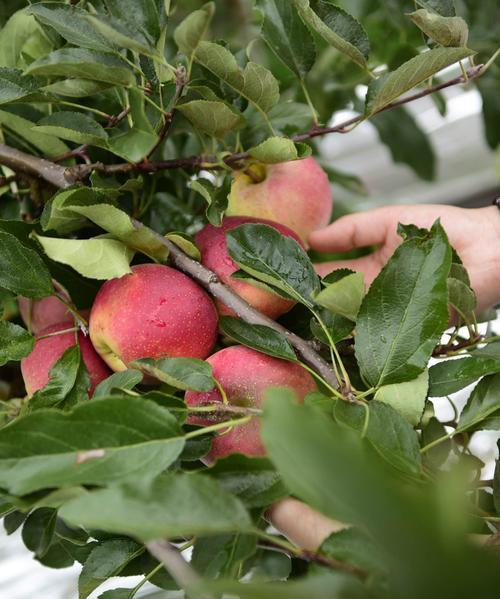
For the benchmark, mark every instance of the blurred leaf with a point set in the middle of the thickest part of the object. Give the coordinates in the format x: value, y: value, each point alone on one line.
x: 496, y: 487
x: 68, y: 383
x: 267, y: 255
x: 461, y: 296
x: 254, y: 82
x: 435, y: 456
x: 447, y: 31
x: 337, y: 27
x: 406, y: 141
x: 17, y: 343
x: 93, y: 258
x: 253, y: 480
x: 15, y: 87
x: 483, y: 402
x: 441, y: 7
x: 98, y: 442
x: 287, y: 36
x: 105, y: 561
x: 406, y: 398
x: 216, y: 198
x: 213, y: 118
x: 172, y: 505
x: 259, y: 337
x: 488, y: 87
x: 386, y: 89
x: 84, y: 64
x: 46, y: 144
x: 71, y: 23
x: 343, y: 297
x: 193, y: 28
x: 76, y: 88
x: 181, y: 373
x: 73, y: 126
x: 348, y: 181
x: 148, y: 16
x: 405, y: 310
x: 355, y: 547
x: 22, y: 270
x: 127, y: 379
x: 218, y: 556
x: 279, y: 149
x: 38, y: 530
x: 388, y: 432
x: 13, y: 35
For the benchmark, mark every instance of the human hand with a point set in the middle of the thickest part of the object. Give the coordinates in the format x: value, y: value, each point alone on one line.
x: 474, y: 233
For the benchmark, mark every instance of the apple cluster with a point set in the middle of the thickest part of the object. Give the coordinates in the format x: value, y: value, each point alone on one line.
x: 158, y: 312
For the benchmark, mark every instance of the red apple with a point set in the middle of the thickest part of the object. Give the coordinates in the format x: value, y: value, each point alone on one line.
x: 212, y: 244
x: 35, y: 368
x: 296, y: 194
x: 154, y: 312
x: 245, y: 375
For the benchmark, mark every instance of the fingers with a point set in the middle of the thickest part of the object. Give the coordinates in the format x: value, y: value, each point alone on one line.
x: 354, y: 231
x: 368, y: 265
x: 301, y: 524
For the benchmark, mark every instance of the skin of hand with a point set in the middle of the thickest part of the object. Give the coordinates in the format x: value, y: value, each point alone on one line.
x: 474, y: 233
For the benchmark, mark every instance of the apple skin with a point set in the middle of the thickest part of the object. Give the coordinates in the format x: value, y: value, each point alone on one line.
x: 245, y: 374
x: 46, y: 311
x: 214, y: 255
x: 35, y: 368
x: 296, y: 194
x: 153, y: 312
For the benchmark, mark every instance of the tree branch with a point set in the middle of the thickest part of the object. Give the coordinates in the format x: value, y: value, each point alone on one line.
x: 21, y: 162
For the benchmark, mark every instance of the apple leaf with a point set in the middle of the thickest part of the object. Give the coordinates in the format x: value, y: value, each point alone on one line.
x: 98, y: 442
x: 214, y: 118
x: 127, y: 379
x: 93, y: 258
x: 259, y: 337
x: 344, y: 296
x: 16, y: 344
x: 405, y: 311
x: 483, y: 402
x: 22, y: 271
x: 73, y: 126
x: 447, y: 31
x: 15, y: 87
x: 191, y: 31
x: 172, y: 505
x: 181, y: 373
x: 279, y: 149
x: 406, y: 398
x: 269, y: 256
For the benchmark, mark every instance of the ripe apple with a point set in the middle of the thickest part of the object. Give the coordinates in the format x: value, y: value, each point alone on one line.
x: 35, y: 368
x: 153, y: 312
x: 245, y: 375
x: 212, y: 244
x: 42, y: 313
x: 296, y: 194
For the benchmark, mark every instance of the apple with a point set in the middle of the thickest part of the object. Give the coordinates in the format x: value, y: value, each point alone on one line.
x: 153, y: 312
x: 39, y: 314
x: 212, y: 244
x: 296, y: 194
x: 245, y: 374
x: 35, y: 368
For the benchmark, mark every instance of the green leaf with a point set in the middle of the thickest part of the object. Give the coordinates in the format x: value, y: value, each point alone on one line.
x: 217, y: 556
x: 496, y: 487
x: 172, y: 505
x: 343, y: 297
x: 279, y: 149
x: 461, y: 296
x: 46, y: 144
x: 99, y: 442
x: 15, y: 87
x: 441, y: 7
x: 405, y: 311
x: 257, y: 336
x: 181, y: 373
x: 127, y: 379
x: 337, y: 27
x: 147, y: 16
x: 211, y: 117
x: 388, y: 432
x: 38, y: 530
x: 447, y: 31
x: 216, y: 198
x: 385, y: 90
x: 76, y: 88
x: 452, y: 375
x: 488, y: 87
x: 22, y: 271
x: 186, y: 243
x: 16, y: 344
x: 73, y: 126
x: 105, y: 561
x: 191, y: 31
x: 84, y: 64
x: 14, y: 35
x: 435, y: 456
x: 355, y: 547
x: 406, y: 141
x: 68, y: 383
x: 287, y: 36
x: 254, y: 82
x: 93, y: 258
x: 406, y: 398
x: 253, y: 480
x: 483, y: 402
x: 269, y: 256
x: 71, y: 23
x: 123, y: 35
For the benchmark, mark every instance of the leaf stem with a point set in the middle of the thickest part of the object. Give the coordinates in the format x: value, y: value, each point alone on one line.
x: 305, y: 91
x: 219, y: 426
x: 437, y: 442
x: 104, y: 115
